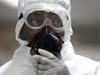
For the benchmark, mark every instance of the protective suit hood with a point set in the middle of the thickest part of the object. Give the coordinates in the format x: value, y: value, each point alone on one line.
x: 60, y: 7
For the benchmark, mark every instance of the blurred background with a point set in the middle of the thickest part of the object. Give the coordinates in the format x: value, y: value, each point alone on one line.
x: 85, y: 22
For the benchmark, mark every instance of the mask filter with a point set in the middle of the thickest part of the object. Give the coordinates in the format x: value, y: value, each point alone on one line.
x: 48, y: 40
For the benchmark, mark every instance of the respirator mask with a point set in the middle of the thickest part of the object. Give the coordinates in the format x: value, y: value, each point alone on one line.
x: 49, y: 29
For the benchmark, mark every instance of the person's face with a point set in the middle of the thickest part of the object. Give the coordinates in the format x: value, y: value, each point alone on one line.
x: 39, y: 19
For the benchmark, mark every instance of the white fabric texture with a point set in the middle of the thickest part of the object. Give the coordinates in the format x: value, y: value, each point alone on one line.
x: 21, y: 63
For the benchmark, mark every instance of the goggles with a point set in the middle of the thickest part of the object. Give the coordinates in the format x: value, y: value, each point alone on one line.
x: 39, y: 19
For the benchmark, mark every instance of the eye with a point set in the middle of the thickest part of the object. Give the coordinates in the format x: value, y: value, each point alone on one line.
x: 36, y: 18
x: 56, y: 21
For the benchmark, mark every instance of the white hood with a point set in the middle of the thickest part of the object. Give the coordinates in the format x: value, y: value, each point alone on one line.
x: 60, y: 7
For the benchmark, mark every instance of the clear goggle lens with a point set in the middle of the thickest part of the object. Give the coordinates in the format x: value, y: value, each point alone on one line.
x: 39, y: 19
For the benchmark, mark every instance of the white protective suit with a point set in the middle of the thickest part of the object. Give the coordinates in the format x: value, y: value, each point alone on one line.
x: 21, y: 61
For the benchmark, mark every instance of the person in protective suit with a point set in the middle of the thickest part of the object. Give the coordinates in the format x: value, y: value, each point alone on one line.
x: 43, y: 31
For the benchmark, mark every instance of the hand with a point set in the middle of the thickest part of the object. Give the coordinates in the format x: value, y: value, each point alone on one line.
x: 21, y: 63
x: 48, y: 64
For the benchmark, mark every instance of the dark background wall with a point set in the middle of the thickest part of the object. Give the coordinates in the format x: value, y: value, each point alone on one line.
x: 85, y: 22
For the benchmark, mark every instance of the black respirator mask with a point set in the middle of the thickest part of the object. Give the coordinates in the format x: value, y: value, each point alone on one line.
x: 47, y: 38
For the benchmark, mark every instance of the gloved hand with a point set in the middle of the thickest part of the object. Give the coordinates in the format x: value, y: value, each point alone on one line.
x: 24, y: 64
x: 48, y: 64
x: 21, y: 63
